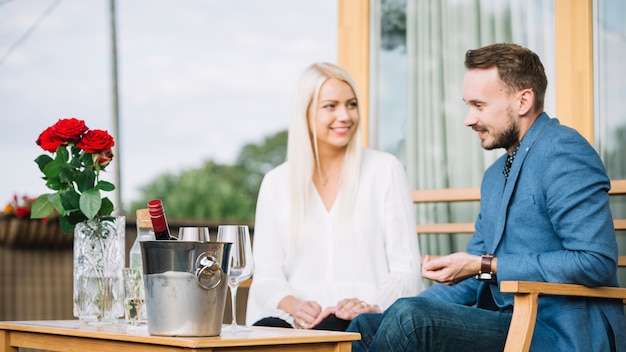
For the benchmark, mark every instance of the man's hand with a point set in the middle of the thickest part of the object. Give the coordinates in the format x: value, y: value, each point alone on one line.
x: 451, y: 269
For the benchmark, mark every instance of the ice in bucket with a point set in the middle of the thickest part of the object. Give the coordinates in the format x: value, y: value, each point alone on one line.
x: 185, y: 286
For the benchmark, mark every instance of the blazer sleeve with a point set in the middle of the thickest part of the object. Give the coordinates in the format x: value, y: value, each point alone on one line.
x: 559, y: 225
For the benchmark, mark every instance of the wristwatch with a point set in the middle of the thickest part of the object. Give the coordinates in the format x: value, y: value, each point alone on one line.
x: 485, y: 273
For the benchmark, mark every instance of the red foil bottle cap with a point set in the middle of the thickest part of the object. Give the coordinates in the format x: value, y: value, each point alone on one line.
x: 155, y: 207
x: 159, y: 224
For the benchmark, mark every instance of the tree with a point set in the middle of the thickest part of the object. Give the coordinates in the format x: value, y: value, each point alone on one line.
x: 215, y: 191
x: 257, y: 159
x: 393, y: 25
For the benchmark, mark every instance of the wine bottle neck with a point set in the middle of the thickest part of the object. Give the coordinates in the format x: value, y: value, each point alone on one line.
x: 159, y: 222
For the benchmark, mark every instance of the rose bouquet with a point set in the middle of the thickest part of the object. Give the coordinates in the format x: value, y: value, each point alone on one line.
x: 79, y: 154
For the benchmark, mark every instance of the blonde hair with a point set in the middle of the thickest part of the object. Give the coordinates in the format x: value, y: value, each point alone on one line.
x: 303, y: 157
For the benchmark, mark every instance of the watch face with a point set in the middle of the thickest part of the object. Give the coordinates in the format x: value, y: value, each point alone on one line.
x: 484, y: 276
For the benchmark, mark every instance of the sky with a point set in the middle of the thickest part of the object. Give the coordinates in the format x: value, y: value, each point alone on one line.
x: 197, y: 80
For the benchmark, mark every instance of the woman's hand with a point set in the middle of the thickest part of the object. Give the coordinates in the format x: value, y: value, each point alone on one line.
x: 307, y: 314
x: 347, y: 309
x: 304, y: 313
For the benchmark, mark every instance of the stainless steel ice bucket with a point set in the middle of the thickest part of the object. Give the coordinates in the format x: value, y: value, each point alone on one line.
x: 186, y: 284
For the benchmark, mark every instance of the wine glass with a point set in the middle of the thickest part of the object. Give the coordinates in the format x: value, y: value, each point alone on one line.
x: 240, y: 264
x: 196, y: 234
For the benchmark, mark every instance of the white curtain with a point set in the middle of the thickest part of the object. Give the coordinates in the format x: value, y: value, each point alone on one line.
x: 440, y: 151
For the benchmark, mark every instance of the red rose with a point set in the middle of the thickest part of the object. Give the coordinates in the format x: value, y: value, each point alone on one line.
x: 105, y: 158
x: 22, y: 212
x: 69, y: 129
x: 96, y: 142
x: 48, y: 140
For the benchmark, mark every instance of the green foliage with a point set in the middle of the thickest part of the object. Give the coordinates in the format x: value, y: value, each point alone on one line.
x: 215, y: 191
x: 74, y: 178
x: 393, y: 25
x: 73, y: 173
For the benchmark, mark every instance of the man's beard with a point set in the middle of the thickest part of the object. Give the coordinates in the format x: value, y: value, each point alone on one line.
x: 507, y: 139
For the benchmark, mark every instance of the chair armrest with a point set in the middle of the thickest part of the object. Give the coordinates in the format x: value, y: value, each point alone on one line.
x: 550, y: 288
x: 526, y: 300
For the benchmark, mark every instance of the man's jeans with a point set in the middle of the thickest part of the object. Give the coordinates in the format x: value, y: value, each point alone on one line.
x: 427, y: 324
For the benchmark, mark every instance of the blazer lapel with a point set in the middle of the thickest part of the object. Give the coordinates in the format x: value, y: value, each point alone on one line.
x: 510, y: 184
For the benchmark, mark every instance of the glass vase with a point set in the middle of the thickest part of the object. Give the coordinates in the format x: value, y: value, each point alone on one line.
x: 99, y: 257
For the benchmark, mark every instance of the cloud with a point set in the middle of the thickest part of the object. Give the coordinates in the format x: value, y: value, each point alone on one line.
x: 197, y: 79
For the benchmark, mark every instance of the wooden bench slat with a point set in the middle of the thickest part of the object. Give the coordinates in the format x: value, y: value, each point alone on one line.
x: 472, y: 194
x: 468, y: 227
x: 462, y: 228
x: 446, y: 195
x: 618, y: 187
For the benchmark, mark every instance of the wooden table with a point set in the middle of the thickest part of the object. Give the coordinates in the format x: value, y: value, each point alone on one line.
x: 75, y: 336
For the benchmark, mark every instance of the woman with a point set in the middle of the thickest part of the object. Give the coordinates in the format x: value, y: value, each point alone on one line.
x: 335, y: 228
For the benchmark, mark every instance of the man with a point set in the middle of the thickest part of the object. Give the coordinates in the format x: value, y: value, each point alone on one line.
x: 544, y: 216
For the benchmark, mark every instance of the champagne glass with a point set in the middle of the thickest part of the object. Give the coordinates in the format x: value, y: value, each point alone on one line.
x: 240, y: 265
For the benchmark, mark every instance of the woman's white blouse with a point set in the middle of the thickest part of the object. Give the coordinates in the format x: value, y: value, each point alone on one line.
x: 377, y: 261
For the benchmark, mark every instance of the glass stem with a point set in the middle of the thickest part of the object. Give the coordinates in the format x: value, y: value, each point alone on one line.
x: 233, y: 298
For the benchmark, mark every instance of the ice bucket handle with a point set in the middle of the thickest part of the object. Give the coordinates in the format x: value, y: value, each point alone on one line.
x: 209, y: 273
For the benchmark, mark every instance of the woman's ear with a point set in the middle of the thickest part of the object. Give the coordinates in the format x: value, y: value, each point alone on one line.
x: 526, y: 101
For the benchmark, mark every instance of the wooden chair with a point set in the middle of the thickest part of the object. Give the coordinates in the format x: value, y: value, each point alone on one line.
x: 526, y: 293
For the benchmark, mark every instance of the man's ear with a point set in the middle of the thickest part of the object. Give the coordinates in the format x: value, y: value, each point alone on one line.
x: 526, y: 101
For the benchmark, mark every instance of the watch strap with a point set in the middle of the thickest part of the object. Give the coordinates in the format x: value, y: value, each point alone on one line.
x: 485, y: 264
x: 485, y: 273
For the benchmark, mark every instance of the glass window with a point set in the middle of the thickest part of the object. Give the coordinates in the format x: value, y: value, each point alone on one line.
x: 610, y: 117
x: 610, y: 90
x: 388, y: 77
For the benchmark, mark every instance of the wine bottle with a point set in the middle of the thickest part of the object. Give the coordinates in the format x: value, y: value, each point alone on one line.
x: 159, y: 222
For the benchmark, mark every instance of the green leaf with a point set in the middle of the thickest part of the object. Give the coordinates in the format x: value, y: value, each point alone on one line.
x: 53, y: 169
x: 43, y: 160
x: 87, y: 159
x: 66, y: 226
x: 69, y: 200
x: 62, y: 154
x: 54, y: 184
x: 105, y: 186
x: 66, y: 176
x: 107, y: 207
x: 90, y: 203
x: 42, y: 207
x: 58, y: 204
x: 76, y: 216
x: 75, y: 163
x: 86, y: 180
